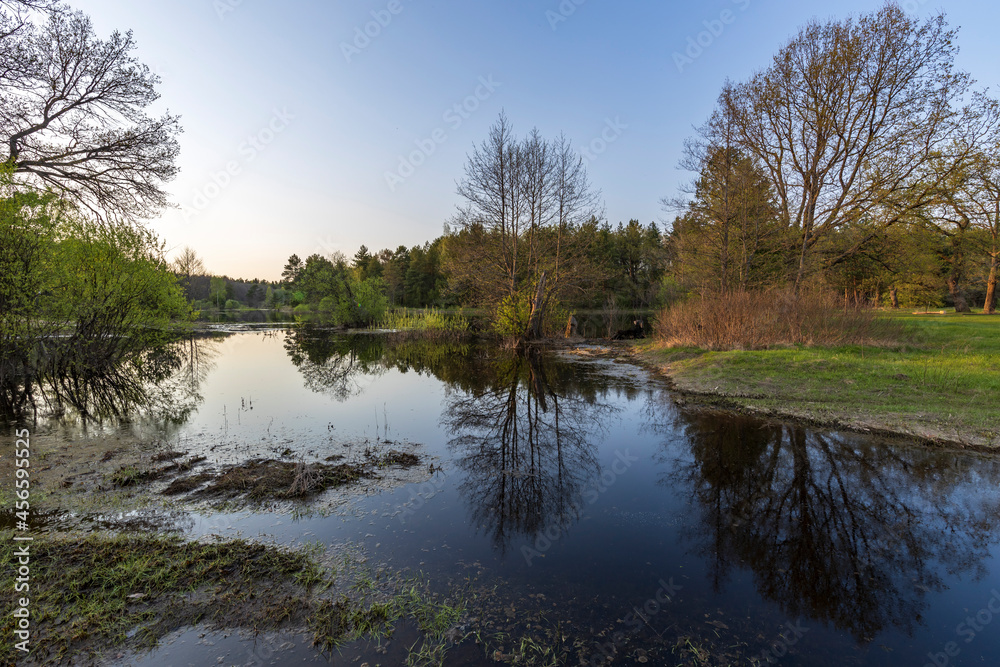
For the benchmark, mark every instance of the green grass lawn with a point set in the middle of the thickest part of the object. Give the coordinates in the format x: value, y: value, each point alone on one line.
x: 941, y: 382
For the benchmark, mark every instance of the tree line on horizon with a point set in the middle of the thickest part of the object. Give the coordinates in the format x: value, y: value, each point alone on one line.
x: 629, y: 260
x: 861, y: 161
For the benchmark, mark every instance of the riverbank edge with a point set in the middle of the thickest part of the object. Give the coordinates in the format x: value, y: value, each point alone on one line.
x: 646, y: 355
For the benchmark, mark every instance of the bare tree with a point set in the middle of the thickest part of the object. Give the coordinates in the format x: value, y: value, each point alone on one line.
x: 188, y: 264
x: 72, y: 114
x: 495, y: 208
x: 14, y: 18
x: 848, y: 118
x: 523, y: 200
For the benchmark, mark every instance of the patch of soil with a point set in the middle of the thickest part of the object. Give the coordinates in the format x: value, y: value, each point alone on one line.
x: 397, y: 458
x: 167, y: 456
x: 266, y: 479
x: 184, y: 466
x: 128, y: 475
x: 186, y: 484
x: 263, y: 479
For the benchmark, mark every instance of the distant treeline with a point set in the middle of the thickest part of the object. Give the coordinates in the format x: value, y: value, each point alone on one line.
x: 628, y: 264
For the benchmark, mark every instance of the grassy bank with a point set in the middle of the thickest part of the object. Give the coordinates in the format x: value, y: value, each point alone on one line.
x: 940, y: 383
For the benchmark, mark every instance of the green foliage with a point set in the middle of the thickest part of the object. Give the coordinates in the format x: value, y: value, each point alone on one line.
x: 336, y: 291
x: 370, y: 302
x: 218, y: 292
x: 292, y: 270
x: 76, y: 296
x: 27, y: 239
x: 110, y: 278
x: 253, y: 294
x: 362, y: 260
x: 320, y: 278
x: 431, y: 319
x: 233, y: 304
x: 631, y: 261
x: 512, y: 315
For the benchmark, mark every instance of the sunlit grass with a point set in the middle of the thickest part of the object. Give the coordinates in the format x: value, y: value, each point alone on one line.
x: 424, y: 319
x: 941, y: 380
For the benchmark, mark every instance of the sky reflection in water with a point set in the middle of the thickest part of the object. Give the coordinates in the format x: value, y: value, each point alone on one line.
x: 580, y: 480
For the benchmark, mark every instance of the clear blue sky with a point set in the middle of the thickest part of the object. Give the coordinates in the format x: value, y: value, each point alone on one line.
x: 329, y: 125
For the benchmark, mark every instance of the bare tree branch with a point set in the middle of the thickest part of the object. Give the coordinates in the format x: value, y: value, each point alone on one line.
x: 72, y: 116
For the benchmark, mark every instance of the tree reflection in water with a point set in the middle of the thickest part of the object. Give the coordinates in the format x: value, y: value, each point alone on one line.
x: 525, y: 437
x: 158, y: 384
x: 843, y: 529
x: 333, y: 364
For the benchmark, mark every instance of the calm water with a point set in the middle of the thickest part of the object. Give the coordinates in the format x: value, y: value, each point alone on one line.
x: 583, y: 492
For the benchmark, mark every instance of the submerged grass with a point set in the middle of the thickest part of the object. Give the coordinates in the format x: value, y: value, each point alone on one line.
x: 342, y: 620
x: 99, y: 592
x: 96, y: 594
x: 939, y: 382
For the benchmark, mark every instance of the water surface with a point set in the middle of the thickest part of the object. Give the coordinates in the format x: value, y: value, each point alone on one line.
x: 576, y: 487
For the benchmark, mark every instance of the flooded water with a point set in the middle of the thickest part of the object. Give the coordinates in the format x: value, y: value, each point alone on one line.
x: 576, y: 489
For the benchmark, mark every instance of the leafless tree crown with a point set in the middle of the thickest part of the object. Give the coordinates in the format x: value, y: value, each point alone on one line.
x: 73, y: 113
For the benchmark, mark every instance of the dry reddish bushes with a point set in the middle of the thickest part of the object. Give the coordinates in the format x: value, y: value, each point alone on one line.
x: 761, y: 319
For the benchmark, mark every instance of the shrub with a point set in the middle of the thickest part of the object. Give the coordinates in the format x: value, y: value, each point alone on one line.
x: 233, y: 304
x: 430, y: 324
x: 371, y: 303
x: 512, y: 315
x: 761, y: 319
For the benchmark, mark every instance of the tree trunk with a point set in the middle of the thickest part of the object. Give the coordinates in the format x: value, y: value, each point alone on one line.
x: 990, y: 306
x: 571, y: 327
x: 956, y: 278
x: 537, y: 312
x: 957, y: 294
